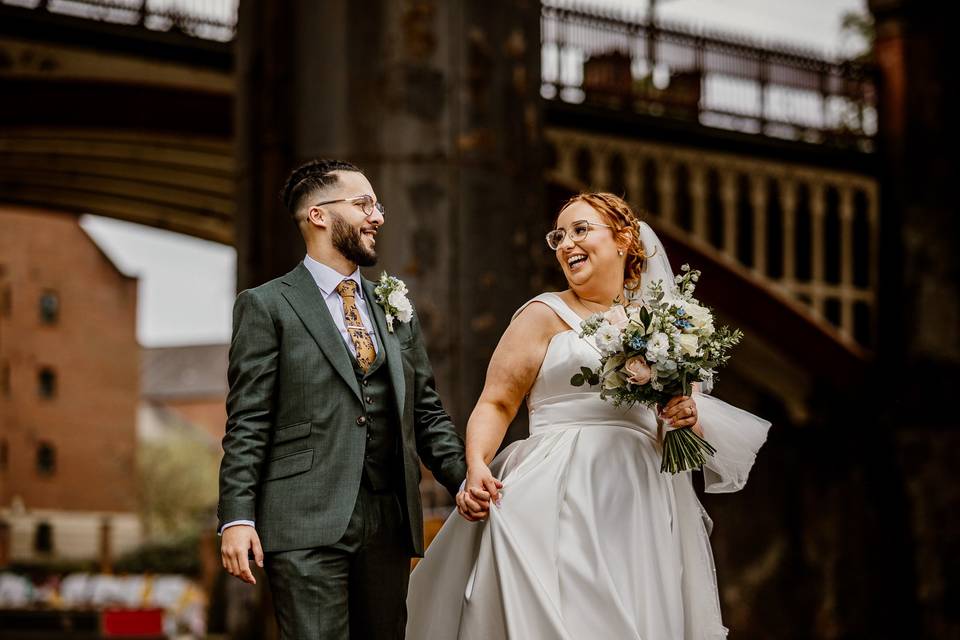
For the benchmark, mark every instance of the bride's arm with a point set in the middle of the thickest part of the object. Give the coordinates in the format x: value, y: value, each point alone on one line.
x: 510, y: 375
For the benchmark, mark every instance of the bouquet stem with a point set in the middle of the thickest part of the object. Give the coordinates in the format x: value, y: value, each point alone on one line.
x: 684, y: 450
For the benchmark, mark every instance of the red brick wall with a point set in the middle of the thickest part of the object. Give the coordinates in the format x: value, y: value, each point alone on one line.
x: 93, y: 349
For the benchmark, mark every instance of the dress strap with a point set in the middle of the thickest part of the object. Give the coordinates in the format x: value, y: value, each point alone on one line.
x: 559, y: 307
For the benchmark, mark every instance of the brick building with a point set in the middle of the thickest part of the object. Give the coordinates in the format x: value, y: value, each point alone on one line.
x: 189, y: 382
x: 68, y: 393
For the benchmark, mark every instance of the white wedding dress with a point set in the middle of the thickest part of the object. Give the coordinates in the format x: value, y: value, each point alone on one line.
x: 591, y: 540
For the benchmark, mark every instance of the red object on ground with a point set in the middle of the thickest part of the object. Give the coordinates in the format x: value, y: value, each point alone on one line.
x: 132, y: 622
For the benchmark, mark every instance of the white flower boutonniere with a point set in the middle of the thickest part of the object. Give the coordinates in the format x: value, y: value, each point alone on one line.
x: 392, y: 296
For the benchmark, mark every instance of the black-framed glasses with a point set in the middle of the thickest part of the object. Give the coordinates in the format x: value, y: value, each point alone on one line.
x: 365, y: 202
x: 578, y: 232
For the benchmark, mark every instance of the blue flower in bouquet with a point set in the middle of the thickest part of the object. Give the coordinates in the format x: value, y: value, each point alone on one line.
x: 637, y: 343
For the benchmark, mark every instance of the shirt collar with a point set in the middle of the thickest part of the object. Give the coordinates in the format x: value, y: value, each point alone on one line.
x: 328, y: 279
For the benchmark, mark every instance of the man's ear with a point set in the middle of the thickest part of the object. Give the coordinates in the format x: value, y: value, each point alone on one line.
x: 317, y: 217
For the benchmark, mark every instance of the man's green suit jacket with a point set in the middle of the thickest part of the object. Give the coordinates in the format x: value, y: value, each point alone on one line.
x: 296, y: 433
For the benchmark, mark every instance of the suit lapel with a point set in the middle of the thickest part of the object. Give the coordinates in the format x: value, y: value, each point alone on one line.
x: 389, y: 343
x: 304, y: 296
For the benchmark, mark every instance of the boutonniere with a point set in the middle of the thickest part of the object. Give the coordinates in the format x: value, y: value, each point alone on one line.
x: 392, y: 296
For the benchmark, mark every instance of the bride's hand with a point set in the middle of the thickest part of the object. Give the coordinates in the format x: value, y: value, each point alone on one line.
x: 482, y: 486
x: 681, y: 412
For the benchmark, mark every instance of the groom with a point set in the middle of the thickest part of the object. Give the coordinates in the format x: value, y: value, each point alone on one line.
x: 329, y: 413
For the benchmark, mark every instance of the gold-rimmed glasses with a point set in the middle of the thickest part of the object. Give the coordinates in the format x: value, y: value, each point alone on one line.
x: 578, y: 232
x: 365, y: 202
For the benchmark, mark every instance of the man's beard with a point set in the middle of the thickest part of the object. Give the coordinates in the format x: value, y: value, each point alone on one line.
x: 348, y: 242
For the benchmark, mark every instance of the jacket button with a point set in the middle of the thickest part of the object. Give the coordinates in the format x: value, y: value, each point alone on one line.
x: 369, y: 400
x: 362, y: 420
x: 366, y: 383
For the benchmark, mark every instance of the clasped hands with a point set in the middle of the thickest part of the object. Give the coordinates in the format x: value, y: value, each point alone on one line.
x: 480, y: 490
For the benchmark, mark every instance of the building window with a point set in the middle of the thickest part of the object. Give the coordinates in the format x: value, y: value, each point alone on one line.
x: 4, y: 453
x: 43, y: 538
x: 47, y: 383
x: 6, y: 301
x: 46, y: 459
x: 49, y: 307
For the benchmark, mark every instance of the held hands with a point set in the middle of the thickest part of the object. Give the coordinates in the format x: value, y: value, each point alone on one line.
x: 681, y: 412
x: 235, y: 545
x: 473, y: 503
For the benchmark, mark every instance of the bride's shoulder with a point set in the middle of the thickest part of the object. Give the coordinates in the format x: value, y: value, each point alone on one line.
x: 541, y: 311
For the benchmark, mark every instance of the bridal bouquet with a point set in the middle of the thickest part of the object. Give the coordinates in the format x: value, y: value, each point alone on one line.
x: 654, y: 348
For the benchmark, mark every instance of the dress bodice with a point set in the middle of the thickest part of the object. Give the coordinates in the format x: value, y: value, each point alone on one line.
x: 554, y: 403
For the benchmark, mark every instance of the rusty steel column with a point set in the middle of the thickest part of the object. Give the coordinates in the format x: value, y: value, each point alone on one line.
x: 439, y: 103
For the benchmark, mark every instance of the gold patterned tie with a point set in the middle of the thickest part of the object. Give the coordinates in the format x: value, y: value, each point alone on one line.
x: 351, y: 318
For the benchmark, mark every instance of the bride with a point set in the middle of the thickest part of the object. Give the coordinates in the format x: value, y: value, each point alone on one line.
x: 574, y: 532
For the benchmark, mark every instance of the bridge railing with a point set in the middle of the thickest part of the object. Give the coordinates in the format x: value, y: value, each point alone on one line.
x: 208, y: 19
x: 605, y: 60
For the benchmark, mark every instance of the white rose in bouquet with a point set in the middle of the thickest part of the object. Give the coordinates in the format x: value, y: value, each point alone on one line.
x: 688, y: 344
x: 700, y: 317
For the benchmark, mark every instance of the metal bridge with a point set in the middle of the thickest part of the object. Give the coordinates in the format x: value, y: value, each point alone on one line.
x: 755, y: 162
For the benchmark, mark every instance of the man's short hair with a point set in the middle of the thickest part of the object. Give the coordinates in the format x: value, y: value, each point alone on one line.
x: 310, y: 177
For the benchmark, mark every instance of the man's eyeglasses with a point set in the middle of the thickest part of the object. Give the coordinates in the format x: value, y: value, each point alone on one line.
x: 578, y: 232
x: 365, y: 202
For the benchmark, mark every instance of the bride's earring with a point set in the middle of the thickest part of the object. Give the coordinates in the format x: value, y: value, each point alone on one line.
x: 619, y: 252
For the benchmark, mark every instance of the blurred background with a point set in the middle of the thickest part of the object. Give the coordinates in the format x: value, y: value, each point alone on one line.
x: 802, y: 154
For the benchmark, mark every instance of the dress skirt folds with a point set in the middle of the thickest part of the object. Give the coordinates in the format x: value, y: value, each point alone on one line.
x: 590, y: 540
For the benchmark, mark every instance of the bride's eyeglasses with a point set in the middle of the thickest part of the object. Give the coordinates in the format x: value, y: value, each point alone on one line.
x: 365, y: 202
x: 578, y: 233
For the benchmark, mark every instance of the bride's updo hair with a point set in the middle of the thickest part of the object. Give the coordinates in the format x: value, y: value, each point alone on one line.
x: 618, y: 214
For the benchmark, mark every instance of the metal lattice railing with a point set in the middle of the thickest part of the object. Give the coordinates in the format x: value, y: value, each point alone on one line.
x: 207, y: 19
x: 720, y: 81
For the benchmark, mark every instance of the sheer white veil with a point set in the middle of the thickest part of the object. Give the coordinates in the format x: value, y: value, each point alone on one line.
x: 657, y: 265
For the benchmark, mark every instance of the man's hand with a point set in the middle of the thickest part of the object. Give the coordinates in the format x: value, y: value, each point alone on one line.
x: 235, y: 546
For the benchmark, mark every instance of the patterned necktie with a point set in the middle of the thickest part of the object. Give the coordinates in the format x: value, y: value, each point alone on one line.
x: 351, y: 318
